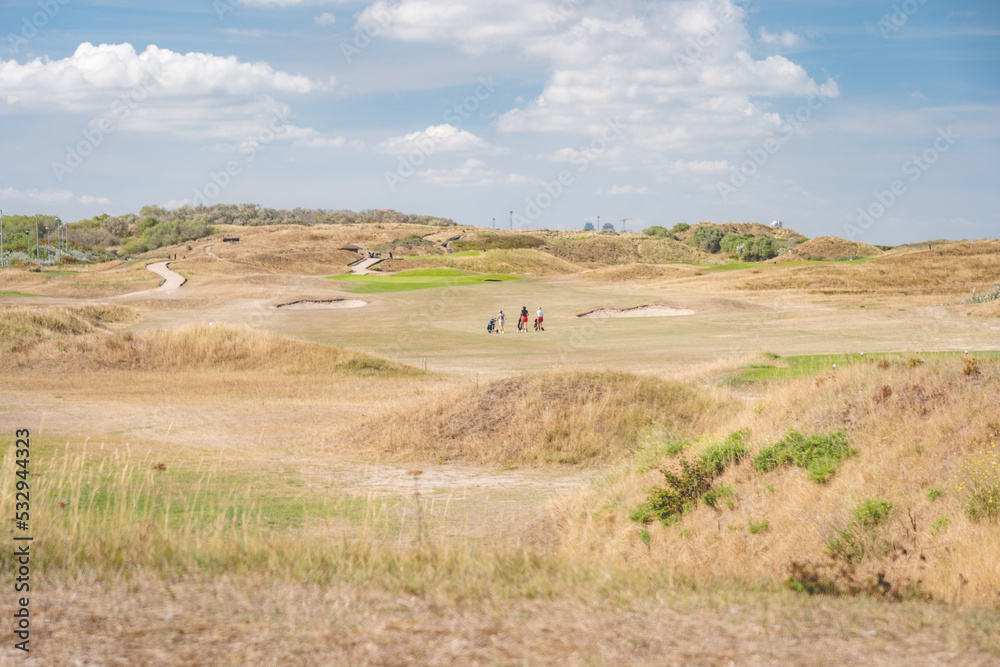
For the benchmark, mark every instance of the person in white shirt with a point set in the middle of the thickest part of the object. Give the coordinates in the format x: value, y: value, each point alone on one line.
x: 500, y: 320
x: 539, y: 318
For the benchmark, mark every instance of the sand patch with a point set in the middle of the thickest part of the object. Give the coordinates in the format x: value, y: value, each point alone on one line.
x: 652, y: 310
x: 326, y: 303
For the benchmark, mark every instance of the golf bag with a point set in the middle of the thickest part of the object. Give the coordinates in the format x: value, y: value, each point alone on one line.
x: 491, y: 327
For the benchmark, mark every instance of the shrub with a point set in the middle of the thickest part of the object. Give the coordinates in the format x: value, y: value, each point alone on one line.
x: 860, y: 539
x: 820, y: 454
x: 730, y: 450
x: 759, y: 527
x: 658, y: 231
x: 758, y: 250
x: 667, y: 503
x: 708, y: 238
x: 730, y: 243
x: 680, y: 227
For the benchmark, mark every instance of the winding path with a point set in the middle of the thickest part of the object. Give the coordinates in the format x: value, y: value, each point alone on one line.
x: 171, y: 281
x: 361, y: 268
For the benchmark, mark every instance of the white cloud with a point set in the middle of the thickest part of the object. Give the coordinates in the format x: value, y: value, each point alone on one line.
x: 238, y: 32
x: 625, y: 190
x: 326, y: 18
x: 473, y: 173
x: 678, y: 74
x: 700, y: 167
x: 94, y: 74
x: 786, y: 38
x: 192, y: 96
x: 50, y: 196
x: 435, y: 139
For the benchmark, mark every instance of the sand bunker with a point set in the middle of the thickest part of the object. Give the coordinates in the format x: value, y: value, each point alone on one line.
x: 329, y: 303
x: 653, y: 310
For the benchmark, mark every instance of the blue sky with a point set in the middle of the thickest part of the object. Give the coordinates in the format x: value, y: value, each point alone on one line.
x: 878, y: 121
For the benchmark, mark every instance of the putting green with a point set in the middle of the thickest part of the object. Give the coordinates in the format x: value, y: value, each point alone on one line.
x: 416, y: 280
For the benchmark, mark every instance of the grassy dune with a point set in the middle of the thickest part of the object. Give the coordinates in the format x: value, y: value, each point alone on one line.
x: 955, y: 268
x: 925, y: 437
x: 554, y: 418
x: 82, y: 338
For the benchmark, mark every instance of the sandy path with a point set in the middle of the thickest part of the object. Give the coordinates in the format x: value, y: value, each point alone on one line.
x: 361, y: 269
x: 171, y: 281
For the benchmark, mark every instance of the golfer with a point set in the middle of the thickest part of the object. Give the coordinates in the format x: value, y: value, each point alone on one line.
x: 500, y: 320
x: 539, y: 318
x: 524, y: 319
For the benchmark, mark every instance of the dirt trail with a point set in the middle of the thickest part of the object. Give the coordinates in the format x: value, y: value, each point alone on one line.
x: 171, y: 281
x: 361, y: 268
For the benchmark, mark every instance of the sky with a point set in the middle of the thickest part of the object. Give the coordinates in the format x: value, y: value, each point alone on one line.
x: 873, y: 120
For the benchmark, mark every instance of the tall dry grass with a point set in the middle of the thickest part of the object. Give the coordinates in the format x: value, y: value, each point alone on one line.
x: 84, y: 338
x: 574, y: 418
x: 914, y: 428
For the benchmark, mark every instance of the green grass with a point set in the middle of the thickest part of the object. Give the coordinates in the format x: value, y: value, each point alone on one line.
x: 792, y: 368
x: 416, y: 280
x: 739, y: 266
x: 22, y: 294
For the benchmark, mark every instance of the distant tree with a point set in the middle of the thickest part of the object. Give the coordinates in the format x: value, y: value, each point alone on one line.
x: 607, y: 227
x: 758, y: 250
x: 657, y: 230
x: 680, y: 227
x: 730, y: 243
x: 588, y: 227
x: 708, y: 238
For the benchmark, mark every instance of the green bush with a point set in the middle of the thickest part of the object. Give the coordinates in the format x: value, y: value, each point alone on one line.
x: 708, y: 238
x: 759, y: 527
x: 820, y: 454
x: 680, y: 227
x: 730, y: 450
x: 860, y: 539
x: 657, y: 231
x: 667, y: 503
x: 730, y: 243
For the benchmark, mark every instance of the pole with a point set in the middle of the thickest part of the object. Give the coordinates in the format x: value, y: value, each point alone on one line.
x: 1, y: 239
x: 494, y: 223
x: 36, y: 236
x: 512, y: 221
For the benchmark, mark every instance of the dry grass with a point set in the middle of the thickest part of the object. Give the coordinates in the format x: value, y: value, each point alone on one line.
x: 638, y: 273
x: 254, y: 621
x: 913, y: 428
x: 79, y: 281
x: 830, y: 247
x: 627, y: 249
x: 554, y: 418
x: 79, y: 338
x: 953, y: 269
